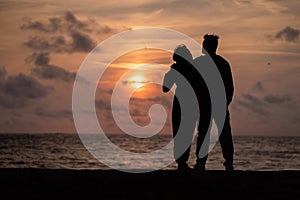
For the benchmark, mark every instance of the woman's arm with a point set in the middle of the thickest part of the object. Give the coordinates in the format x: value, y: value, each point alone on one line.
x: 168, y: 81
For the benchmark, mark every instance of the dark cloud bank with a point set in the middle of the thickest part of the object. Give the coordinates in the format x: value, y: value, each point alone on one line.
x: 44, y: 70
x: 17, y: 90
x: 259, y: 105
x: 288, y: 34
x: 63, y: 34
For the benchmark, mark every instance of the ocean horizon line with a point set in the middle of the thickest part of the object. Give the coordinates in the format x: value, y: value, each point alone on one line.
x: 123, y: 134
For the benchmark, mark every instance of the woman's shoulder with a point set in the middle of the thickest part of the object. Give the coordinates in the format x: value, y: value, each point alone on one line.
x: 174, y: 66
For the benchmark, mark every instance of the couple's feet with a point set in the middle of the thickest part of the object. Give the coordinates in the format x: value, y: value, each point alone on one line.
x: 229, y: 168
x: 186, y: 168
x: 199, y: 168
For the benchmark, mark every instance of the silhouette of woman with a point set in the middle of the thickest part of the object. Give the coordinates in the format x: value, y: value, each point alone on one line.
x: 184, y: 114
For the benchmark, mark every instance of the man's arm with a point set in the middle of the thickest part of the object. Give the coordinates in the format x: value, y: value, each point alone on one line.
x: 229, y: 83
x: 225, y: 70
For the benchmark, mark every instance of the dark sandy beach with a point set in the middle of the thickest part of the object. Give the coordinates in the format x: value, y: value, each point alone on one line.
x: 111, y: 184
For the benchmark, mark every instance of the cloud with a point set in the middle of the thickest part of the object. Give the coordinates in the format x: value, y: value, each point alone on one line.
x: 249, y: 106
x: 64, y: 34
x: 39, y: 59
x: 2, y: 74
x: 53, y: 72
x: 276, y: 99
x: 70, y: 17
x: 269, y: 98
x: 10, y: 102
x: 24, y: 86
x: 137, y: 112
x: 252, y: 103
x: 57, y: 114
x: 164, y: 100
x: 138, y: 106
x: 252, y: 99
x: 80, y: 42
x: 133, y: 82
x: 260, y: 105
x: 103, y: 105
x: 64, y: 24
x: 40, y: 26
x: 258, y: 87
x: 75, y: 42
x: 15, y: 91
x: 288, y: 34
x: 243, y: 2
x: 44, y: 70
x: 55, y: 44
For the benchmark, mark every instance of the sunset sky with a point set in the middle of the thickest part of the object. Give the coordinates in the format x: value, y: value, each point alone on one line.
x: 43, y: 44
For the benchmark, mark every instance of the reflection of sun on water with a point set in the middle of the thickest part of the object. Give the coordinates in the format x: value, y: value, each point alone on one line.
x: 137, y: 81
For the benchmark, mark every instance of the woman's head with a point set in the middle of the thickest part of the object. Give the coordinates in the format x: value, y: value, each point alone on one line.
x: 182, y: 54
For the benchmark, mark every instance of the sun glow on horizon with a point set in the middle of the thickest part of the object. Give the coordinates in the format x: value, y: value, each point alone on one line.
x: 137, y: 81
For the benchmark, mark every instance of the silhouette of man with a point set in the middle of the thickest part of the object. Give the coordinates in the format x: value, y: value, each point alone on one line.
x: 210, y: 44
x: 191, y: 96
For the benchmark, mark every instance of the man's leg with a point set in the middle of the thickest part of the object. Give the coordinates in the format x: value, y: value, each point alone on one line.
x: 201, y: 149
x: 202, y: 146
x: 226, y: 142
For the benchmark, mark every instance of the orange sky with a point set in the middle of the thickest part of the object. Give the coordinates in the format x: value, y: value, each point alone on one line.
x: 146, y: 93
x: 44, y: 43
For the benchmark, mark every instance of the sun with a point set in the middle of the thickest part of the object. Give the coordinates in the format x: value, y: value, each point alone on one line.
x: 137, y: 81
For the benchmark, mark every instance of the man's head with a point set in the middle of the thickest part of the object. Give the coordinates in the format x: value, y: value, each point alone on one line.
x: 210, y: 43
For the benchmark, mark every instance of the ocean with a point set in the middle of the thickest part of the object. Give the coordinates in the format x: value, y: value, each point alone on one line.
x: 66, y: 151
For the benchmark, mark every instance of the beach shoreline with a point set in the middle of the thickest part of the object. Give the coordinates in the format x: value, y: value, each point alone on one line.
x: 162, y: 184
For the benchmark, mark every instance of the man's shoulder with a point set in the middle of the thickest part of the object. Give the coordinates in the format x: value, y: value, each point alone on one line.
x: 217, y: 59
x: 221, y: 59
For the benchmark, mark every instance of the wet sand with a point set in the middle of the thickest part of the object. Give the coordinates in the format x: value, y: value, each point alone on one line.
x: 162, y: 184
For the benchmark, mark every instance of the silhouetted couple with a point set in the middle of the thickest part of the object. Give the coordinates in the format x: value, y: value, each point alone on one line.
x: 192, y: 105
